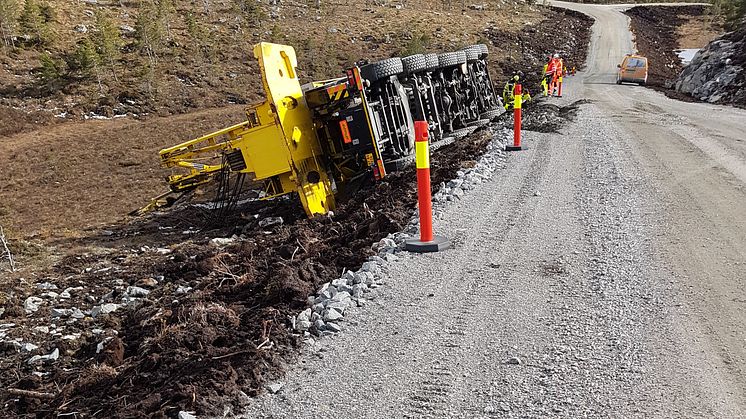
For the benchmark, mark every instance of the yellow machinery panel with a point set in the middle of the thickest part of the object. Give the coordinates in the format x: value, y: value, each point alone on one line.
x: 278, y: 143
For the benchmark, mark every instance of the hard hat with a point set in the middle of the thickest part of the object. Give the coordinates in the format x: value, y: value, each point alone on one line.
x: 516, y: 77
x: 556, y: 55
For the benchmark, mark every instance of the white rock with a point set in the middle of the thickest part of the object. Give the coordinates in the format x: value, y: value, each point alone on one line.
x: 221, y: 241
x: 41, y: 358
x: 187, y: 415
x: 61, y: 312
x: 101, y: 345
x: 358, y: 290
x: 333, y: 327
x: 31, y: 305
x: 371, y: 267
x: 341, y: 296
x: 303, y: 325
x: 274, y: 388
x: 105, y: 309
x: 270, y: 221
x: 29, y: 347
x: 182, y: 290
x: 134, y: 291
x: 349, y: 276
x: 332, y: 315
x: 390, y: 257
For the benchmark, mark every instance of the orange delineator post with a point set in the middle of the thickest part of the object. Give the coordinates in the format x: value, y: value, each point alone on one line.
x: 424, y: 190
x: 559, y: 88
x: 518, y: 100
x: 427, y: 241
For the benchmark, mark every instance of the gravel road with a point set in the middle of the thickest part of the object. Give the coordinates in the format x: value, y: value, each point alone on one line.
x: 600, y: 273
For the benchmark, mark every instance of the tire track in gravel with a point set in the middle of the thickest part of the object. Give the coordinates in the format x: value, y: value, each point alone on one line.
x: 515, y: 295
x: 432, y: 396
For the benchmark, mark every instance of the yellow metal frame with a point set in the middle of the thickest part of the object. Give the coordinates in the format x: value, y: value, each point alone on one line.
x: 278, y: 142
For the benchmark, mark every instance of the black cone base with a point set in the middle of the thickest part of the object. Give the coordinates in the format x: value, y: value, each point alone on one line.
x: 437, y: 244
x: 515, y: 148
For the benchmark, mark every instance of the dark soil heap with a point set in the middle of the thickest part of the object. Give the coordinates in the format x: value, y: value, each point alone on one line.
x: 215, y: 345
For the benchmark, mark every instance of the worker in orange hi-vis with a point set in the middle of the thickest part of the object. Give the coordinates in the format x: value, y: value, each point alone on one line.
x: 558, y: 75
x: 552, y: 68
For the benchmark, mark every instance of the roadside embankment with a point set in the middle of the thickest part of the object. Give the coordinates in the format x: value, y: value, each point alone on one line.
x: 662, y: 30
x: 717, y: 74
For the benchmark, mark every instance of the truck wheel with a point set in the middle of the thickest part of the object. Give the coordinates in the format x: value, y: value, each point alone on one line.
x: 479, y: 49
x: 432, y: 61
x: 382, y: 69
x: 462, y: 132
x: 414, y: 63
x: 451, y: 59
x: 491, y: 114
x: 472, y: 53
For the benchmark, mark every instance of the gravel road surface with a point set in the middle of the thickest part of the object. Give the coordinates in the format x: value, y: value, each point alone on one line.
x: 601, y: 273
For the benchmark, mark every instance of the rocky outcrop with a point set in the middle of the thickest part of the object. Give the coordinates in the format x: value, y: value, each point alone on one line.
x: 717, y: 73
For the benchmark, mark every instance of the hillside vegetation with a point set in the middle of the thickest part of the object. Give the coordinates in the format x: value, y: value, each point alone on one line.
x: 102, y: 57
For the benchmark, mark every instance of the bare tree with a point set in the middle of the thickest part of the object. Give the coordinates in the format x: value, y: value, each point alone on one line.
x: 5, y: 251
x: 9, y: 11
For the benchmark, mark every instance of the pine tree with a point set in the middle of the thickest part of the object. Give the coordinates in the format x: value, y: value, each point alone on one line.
x: 84, y: 59
x: 200, y: 37
x: 150, y: 35
x: 107, y: 42
x: 34, y: 24
x: 51, y: 71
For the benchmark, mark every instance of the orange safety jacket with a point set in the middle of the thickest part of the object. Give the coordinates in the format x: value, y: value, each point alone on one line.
x: 554, y: 66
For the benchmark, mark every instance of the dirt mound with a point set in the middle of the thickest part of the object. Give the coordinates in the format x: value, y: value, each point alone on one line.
x: 546, y: 117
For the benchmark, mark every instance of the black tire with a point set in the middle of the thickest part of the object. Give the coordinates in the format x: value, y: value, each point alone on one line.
x: 472, y: 53
x: 414, y: 63
x: 491, y: 114
x: 479, y: 123
x: 431, y: 61
x: 382, y: 69
x: 462, y: 132
x: 451, y: 59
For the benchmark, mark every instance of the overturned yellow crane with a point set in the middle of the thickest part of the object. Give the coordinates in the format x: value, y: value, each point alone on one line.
x: 316, y: 138
x: 277, y: 144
